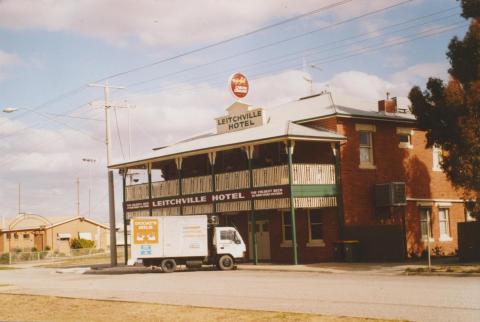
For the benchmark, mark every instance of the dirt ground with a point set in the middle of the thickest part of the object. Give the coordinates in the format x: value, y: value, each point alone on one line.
x: 48, y: 308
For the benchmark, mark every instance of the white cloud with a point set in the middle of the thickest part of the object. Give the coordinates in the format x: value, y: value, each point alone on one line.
x: 359, y: 84
x: 168, y: 23
x: 151, y: 22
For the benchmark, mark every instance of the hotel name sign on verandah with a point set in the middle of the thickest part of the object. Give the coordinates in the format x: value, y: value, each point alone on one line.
x: 241, y: 121
x: 198, y: 199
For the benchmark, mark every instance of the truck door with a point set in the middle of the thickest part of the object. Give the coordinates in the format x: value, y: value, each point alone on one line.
x: 229, y: 241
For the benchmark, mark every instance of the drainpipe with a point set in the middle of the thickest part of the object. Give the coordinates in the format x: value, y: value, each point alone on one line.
x: 290, y: 147
x: 338, y: 183
x: 178, y: 162
x: 249, y: 151
x: 211, y: 158
x: 149, y: 171
x: 125, y: 244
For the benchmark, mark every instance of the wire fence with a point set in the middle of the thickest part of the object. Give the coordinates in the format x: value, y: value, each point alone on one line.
x: 73, y: 256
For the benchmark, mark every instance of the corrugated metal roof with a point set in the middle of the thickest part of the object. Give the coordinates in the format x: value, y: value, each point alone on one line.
x: 272, y: 130
x: 280, y: 124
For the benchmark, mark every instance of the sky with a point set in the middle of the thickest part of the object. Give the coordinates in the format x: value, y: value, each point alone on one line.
x: 173, y: 59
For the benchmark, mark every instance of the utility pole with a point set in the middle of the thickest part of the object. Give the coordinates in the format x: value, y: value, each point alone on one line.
x: 78, y: 196
x: 111, y: 197
x: 91, y: 161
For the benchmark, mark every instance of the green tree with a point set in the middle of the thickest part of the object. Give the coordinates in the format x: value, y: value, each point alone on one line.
x: 450, y: 112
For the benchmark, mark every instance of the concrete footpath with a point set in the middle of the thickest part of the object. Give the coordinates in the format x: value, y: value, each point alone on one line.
x: 372, y: 269
x: 408, y: 268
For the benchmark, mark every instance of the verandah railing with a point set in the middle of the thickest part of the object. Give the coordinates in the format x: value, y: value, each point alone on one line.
x: 263, y: 177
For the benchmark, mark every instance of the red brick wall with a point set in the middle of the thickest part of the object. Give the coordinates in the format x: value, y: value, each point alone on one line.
x: 412, y: 166
x: 305, y: 253
x: 416, y: 246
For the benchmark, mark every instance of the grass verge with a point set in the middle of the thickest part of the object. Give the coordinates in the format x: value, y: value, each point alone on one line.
x: 464, y: 269
x: 48, y: 308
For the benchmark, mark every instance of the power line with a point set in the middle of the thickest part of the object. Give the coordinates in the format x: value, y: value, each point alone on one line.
x: 222, y: 42
x: 237, y: 54
x: 430, y: 33
x: 118, y: 132
x: 269, y: 61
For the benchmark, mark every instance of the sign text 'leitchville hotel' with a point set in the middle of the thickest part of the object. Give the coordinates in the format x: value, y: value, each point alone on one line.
x: 241, y: 121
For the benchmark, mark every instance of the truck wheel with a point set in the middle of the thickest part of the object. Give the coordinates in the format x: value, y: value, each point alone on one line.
x: 225, y: 262
x: 168, y: 265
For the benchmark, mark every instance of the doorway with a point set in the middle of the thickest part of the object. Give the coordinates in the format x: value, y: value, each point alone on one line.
x: 38, y: 242
x: 263, y: 240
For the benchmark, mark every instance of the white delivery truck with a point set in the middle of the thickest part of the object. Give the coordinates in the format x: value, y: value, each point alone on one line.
x: 169, y: 241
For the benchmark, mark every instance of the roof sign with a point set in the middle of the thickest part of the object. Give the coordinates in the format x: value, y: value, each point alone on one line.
x: 241, y: 121
x: 238, y: 85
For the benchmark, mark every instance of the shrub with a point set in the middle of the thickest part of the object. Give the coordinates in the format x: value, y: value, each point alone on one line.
x: 4, y: 258
x: 78, y: 243
x: 34, y: 249
x: 47, y: 248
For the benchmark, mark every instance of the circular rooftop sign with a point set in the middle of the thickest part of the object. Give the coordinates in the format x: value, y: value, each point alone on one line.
x: 238, y: 85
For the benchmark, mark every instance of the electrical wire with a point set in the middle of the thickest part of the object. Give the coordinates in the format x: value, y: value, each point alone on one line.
x: 237, y: 54
x: 222, y: 42
x: 118, y: 132
x: 373, y: 34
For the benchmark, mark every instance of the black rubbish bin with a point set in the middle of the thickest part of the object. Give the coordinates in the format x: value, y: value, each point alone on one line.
x: 339, y: 251
x: 351, y: 250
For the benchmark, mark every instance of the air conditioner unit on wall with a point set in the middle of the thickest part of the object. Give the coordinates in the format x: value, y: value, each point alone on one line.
x: 390, y: 194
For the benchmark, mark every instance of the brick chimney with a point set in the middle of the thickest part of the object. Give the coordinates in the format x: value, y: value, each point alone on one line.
x: 388, y: 105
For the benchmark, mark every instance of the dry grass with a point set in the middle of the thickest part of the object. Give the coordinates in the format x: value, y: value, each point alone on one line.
x: 84, y: 261
x: 469, y: 269
x: 48, y: 308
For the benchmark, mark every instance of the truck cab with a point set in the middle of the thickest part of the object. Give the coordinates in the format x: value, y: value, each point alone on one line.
x: 228, y: 246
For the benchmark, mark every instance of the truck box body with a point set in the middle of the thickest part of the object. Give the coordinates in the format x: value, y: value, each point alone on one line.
x: 170, y: 237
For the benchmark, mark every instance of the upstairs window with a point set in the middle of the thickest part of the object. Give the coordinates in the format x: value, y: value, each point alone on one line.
x: 436, y: 158
x: 366, y: 147
x: 365, y: 139
x: 405, y: 137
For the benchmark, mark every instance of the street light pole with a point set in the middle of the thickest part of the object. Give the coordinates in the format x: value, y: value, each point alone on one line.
x: 111, y: 197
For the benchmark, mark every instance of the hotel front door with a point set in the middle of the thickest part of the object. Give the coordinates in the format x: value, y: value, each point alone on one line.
x: 263, y: 240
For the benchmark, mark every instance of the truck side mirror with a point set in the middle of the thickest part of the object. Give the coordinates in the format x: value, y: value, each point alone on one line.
x: 237, y: 241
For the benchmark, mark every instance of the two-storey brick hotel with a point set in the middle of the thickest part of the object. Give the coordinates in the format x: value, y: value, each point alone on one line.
x: 297, y: 178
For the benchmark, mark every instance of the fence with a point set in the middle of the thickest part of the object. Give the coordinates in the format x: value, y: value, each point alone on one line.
x: 77, y: 255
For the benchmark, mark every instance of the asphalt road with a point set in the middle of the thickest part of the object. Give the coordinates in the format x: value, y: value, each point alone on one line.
x: 419, y: 298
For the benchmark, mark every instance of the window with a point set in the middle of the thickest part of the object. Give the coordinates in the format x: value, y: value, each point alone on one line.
x: 365, y: 145
x: 469, y: 215
x: 469, y: 206
x: 26, y: 236
x: 227, y: 235
x: 425, y: 222
x: 15, y: 235
x: 436, y: 158
x: 405, y: 137
x: 315, y: 228
x: 444, y: 222
x: 85, y: 235
x: 286, y: 227
x: 366, y: 148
